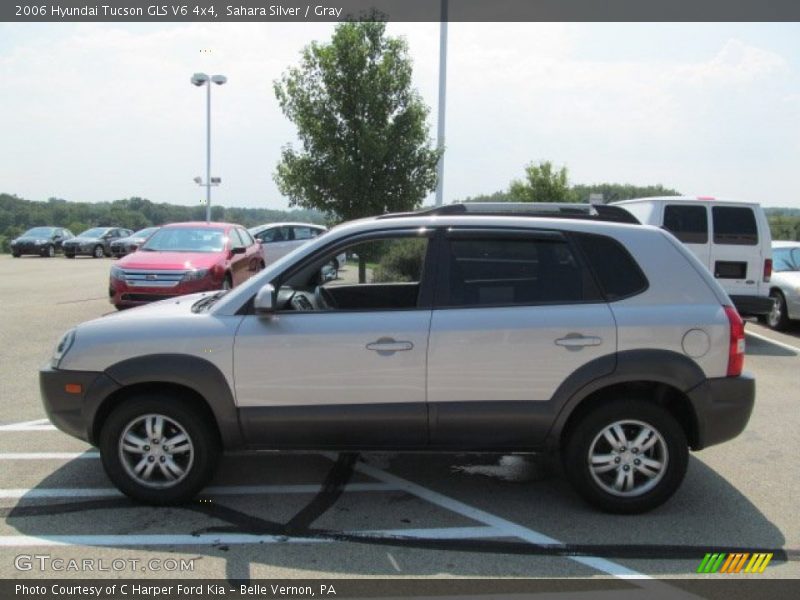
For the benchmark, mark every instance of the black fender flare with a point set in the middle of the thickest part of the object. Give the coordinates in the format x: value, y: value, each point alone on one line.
x: 192, y: 372
x: 655, y: 366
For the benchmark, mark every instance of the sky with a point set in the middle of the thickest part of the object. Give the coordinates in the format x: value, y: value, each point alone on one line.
x: 93, y: 112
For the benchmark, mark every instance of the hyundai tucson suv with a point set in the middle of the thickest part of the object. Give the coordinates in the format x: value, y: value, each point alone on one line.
x: 480, y: 327
x: 94, y: 242
x: 185, y: 258
x: 44, y: 241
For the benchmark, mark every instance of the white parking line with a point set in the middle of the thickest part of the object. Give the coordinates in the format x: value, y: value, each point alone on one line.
x: 772, y: 341
x: 47, y: 455
x: 29, y: 426
x: 498, y: 524
x: 232, y: 490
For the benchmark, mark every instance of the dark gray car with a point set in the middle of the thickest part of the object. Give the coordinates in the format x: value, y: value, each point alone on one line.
x: 44, y: 241
x: 126, y: 245
x: 94, y: 242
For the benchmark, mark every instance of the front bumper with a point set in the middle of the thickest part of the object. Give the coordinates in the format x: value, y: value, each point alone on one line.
x: 723, y: 407
x: 79, y: 250
x: 753, y: 306
x: 28, y: 248
x: 122, y: 294
x: 73, y: 413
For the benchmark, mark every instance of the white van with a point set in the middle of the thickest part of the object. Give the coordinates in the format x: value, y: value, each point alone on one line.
x: 731, y: 238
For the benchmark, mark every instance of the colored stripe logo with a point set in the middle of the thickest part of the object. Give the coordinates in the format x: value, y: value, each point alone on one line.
x: 720, y: 562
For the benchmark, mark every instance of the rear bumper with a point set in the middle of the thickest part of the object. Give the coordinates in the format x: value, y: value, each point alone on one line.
x: 753, y: 306
x: 73, y: 413
x: 723, y: 407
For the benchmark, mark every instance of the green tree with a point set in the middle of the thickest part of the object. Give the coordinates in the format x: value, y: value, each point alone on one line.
x: 543, y: 183
x: 363, y: 127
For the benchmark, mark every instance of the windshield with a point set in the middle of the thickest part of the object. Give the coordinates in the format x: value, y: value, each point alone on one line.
x: 143, y: 233
x: 39, y: 232
x: 186, y: 239
x: 786, y: 259
x: 95, y: 232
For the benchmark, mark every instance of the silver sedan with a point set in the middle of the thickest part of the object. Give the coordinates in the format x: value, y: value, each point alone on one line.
x: 785, y: 284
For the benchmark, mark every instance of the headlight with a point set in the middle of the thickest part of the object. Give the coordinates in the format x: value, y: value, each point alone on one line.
x: 195, y: 275
x: 62, y: 348
x: 117, y: 273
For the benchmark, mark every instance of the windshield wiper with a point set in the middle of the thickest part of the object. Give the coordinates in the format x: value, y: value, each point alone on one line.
x: 208, y: 301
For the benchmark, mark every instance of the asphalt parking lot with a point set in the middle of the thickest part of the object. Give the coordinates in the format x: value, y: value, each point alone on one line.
x: 371, y: 515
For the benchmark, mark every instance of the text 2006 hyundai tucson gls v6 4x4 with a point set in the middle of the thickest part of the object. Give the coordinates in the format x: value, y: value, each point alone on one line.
x: 466, y: 328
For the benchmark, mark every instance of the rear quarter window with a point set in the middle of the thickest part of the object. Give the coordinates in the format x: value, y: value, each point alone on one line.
x: 616, y: 271
x: 734, y: 225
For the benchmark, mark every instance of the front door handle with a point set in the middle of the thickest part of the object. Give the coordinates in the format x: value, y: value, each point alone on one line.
x: 387, y: 345
x: 577, y: 340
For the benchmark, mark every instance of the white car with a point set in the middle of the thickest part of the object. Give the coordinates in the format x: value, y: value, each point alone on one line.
x: 278, y: 239
x: 785, y: 285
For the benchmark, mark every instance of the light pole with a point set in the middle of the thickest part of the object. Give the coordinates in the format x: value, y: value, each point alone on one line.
x: 442, y: 104
x: 201, y: 79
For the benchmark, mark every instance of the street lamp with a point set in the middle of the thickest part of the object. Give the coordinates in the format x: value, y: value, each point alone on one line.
x: 201, y: 79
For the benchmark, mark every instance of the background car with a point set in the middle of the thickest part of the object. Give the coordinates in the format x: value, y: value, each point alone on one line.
x: 129, y: 244
x: 185, y: 258
x: 44, y: 241
x: 785, y: 285
x: 95, y: 242
x: 278, y: 239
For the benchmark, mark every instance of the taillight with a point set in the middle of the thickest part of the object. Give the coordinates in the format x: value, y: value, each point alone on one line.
x: 767, y: 269
x: 736, y: 346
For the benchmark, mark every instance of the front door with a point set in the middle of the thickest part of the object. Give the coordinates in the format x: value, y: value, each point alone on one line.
x: 341, y: 364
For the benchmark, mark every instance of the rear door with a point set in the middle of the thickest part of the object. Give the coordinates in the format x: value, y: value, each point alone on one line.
x: 736, y: 258
x: 516, y: 314
x: 276, y: 242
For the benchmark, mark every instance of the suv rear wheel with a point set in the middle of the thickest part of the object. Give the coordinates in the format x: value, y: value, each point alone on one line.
x: 777, y: 318
x: 626, y: 456
x: 157, y: 450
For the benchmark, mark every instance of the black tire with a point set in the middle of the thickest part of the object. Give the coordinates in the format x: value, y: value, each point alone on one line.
x: 96, y: 254
x: 778, y: 319
x: 201, y: 433
x: 49, y: 251
x: 578, y: 469
x: 227, y: 283
x: 68, y: 255
x: 15, y: 254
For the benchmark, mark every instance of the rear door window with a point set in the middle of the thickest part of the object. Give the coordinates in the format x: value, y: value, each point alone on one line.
x: 507, y: 271
x: 687, y: 223
x: 734, y: 225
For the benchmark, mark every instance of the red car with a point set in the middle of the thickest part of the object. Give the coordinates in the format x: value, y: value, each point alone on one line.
x: 184, y: 258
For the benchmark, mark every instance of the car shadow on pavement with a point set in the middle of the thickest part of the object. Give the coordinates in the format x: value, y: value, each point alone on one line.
x: 707, y: 514
x: 757, y: 346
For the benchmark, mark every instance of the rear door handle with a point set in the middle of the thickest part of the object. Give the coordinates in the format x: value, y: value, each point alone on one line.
x: 387, y: 345
x: 576, y: 340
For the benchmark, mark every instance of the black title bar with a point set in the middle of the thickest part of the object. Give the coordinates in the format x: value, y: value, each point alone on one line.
x: 399, y: 10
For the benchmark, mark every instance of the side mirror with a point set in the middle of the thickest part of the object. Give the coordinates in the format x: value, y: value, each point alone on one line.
x: 265, y: 300
x: 238, y: 250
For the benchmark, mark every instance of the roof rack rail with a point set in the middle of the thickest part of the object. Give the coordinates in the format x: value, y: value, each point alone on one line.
x: 594, y: 212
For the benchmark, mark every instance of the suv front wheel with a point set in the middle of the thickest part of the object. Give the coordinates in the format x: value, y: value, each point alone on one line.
x: 157, y: 450
x: 626, y: 456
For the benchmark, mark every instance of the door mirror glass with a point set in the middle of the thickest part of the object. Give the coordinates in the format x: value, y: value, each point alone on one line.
x: 265, y: 300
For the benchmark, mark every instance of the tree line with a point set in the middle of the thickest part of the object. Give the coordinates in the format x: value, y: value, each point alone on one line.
x: 18, y: 215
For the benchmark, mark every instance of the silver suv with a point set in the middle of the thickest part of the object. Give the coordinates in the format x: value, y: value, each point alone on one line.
x: 483, y: 327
